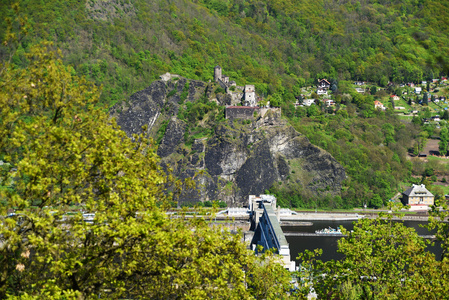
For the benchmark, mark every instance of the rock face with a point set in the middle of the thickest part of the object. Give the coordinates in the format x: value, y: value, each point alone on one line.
x: 173, y: 137
x: 239, y: 159
x: 143, y: 108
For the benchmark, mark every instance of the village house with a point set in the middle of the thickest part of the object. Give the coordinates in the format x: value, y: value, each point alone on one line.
x: 360, y: 90
x: 321, y: 91
x: 418, y: 197
x: 418, y: 90
x: 436, y: 118
x: 308, y: 102
x: 394, y: 97
x: 329, y: 102
x: 322, y: 87
x: 379, y: 105
x: 323, y: 83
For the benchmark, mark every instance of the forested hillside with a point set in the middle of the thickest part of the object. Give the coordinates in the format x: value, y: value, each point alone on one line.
x: 278, y: 45
x: 373, y: 151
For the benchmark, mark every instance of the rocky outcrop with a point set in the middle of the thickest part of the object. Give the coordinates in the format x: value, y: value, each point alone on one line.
x: 240, y: 158
x: 143, y: 108
x: 258, y: 172
x: 174, y: 135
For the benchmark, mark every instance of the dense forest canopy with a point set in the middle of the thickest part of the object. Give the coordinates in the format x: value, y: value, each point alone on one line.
x: 278, y: 45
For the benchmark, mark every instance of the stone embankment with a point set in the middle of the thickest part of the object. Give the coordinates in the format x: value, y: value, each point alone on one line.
x: 319, y: 216
x: 329, y: 216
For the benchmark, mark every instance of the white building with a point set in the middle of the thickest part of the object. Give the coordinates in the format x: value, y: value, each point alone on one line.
x: 308, y: 102
x: 418, y: 197
x: 321, y: 91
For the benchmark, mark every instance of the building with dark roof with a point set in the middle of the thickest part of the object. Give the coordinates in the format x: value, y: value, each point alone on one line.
x: 418, y: 195
x: 323, y: 83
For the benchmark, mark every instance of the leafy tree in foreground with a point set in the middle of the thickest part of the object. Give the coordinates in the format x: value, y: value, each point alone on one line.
x: 383, y: 260
x: 438, y: 221
x: 71, y: 157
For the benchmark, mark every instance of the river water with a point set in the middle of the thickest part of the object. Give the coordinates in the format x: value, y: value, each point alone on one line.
x: 329, y: 243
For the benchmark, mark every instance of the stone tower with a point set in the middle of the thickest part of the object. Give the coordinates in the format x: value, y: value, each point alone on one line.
x: 217, y: 73
x: 249, y: 95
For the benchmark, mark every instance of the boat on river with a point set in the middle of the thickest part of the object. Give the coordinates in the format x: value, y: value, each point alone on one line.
x: 329, y: 230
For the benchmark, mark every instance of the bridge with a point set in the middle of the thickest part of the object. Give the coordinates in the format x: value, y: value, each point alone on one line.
x: 268, y: 231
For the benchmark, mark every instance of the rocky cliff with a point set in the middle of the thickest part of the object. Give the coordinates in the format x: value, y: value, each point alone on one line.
x: 238, y: 157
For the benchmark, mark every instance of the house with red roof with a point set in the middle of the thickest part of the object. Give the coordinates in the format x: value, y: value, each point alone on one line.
x: 379, y: 105
x: 394, y: 97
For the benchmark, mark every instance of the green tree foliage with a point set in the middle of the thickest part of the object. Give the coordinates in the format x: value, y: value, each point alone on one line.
x: 422, y: 140
x: 124, y: 45
x: 275, y: 100
x: 334, y: 88
x: 445, y: 115
x: 383, y: 259
x: 72, y: 158
x: 437, y: 221
x: 425, y: 99
x: 383, y: 81
x: 444, y: 140
x: 376, y: 202
x: 372, y: 150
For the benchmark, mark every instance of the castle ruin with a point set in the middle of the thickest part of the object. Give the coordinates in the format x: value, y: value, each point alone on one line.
x: 249, y: 95
x: 222, y: 80
x: 240, y: 95
x: 244, y: 99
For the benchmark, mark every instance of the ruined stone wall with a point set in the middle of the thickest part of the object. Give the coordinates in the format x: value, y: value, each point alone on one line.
x: 240, y: 112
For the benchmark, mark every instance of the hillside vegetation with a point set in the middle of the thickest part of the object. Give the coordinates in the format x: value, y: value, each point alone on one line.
x: 278, y: 45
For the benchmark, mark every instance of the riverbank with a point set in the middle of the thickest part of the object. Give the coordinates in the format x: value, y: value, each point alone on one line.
x: 320, y: 216
x: 348, y: 216
x: 309, y: 216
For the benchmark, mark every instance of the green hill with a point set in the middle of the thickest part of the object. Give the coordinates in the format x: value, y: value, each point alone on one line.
x: 278, y: 45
